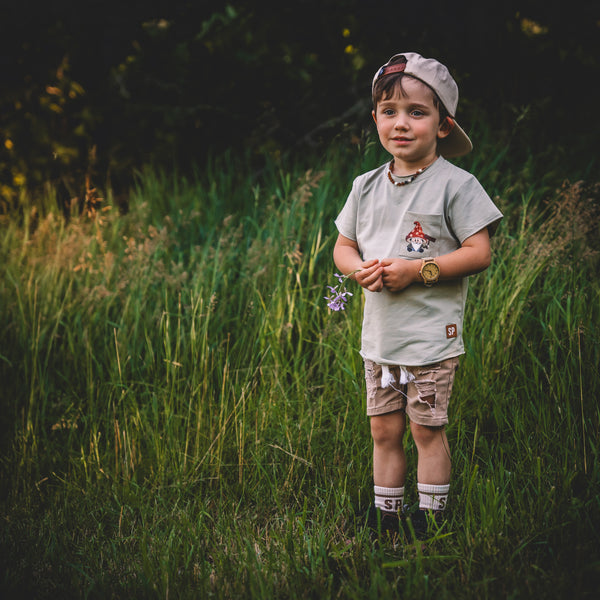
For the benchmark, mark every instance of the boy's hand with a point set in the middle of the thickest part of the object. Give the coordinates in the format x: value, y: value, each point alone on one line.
x: 369, y: 275
x: 399, y: 273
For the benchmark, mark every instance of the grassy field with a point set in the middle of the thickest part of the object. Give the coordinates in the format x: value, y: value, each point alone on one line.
x: 182, y: 416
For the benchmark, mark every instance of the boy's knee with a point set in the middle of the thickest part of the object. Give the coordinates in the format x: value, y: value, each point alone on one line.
x: 387, y: 429
x: 424, y: 434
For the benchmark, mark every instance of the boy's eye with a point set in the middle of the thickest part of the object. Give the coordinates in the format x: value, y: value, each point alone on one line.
x: 417, y: 113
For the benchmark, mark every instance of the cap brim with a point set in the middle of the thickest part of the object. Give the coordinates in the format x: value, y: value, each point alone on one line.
x: 456, y: 143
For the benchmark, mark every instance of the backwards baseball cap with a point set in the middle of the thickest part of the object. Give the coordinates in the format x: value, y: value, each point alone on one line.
x: 438, y: 78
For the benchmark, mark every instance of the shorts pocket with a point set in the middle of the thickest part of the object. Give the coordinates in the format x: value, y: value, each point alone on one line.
x: 371, y: 379
x: 425, y: 370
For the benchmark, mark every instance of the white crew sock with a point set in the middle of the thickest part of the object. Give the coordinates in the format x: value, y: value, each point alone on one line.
x: 389, y: 499
x: 433, y: 497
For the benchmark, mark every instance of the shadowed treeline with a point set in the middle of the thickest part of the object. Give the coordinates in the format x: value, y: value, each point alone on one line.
x: 104, y: 88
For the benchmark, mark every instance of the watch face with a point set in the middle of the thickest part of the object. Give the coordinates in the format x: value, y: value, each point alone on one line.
x: 430, y: 271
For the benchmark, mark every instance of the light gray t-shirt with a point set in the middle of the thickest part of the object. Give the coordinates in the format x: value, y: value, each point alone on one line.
x: 429, y: 217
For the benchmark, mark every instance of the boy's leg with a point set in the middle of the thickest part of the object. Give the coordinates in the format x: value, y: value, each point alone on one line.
x: 433, y: 474
x: 434, y: 461
x: 389, y: 459
x: 389, y: 470
x: 427, y: 408
x: 386, y: 401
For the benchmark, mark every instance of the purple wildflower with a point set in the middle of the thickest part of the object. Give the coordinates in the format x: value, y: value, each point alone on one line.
x: 339, y: 294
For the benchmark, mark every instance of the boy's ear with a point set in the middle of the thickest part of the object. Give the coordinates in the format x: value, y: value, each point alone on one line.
x: 446, y: 126
x: 374, y: 116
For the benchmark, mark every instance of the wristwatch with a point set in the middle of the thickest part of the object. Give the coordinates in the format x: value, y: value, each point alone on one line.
x: 430, y: 271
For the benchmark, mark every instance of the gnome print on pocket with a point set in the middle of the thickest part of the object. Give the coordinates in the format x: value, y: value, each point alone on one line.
x: 418, y: 241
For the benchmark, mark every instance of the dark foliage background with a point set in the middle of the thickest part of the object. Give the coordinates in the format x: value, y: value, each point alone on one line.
x: 102, y: 88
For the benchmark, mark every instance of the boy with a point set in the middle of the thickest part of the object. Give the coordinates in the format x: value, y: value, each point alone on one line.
x: 411, y: 232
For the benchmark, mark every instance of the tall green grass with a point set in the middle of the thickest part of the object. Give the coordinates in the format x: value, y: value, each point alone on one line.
x: 183, y: 417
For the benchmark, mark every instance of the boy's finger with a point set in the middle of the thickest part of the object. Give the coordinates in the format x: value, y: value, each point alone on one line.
x: 370, y: 269
x: 373, y: 261
x: 367, y: 277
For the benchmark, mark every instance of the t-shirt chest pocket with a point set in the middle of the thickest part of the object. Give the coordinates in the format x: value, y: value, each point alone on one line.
x: 419, y: 235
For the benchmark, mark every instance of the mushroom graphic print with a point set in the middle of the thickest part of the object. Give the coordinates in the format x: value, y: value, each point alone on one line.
x: 418, y: 241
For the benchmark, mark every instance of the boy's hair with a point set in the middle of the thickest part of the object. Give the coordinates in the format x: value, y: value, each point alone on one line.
x: 386, y: 86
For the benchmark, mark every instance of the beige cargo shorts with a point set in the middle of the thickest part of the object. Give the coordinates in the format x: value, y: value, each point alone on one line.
x: 424, y: 396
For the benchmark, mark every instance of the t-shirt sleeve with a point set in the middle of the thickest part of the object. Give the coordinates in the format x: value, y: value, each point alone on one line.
x: 471, y: 209
x: 346, y: 220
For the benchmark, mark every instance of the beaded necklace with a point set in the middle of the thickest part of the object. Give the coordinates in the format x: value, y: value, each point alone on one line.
x: 409, y: 178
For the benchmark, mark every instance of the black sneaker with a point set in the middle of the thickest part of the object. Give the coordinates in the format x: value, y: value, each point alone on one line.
x: 425, y: 523
x: 383, y: 525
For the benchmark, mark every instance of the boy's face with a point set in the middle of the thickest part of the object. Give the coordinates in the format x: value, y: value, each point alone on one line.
x: 409, y: 126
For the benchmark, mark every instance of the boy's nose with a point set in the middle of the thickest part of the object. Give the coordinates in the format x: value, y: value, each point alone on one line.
x: 401, y: 122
